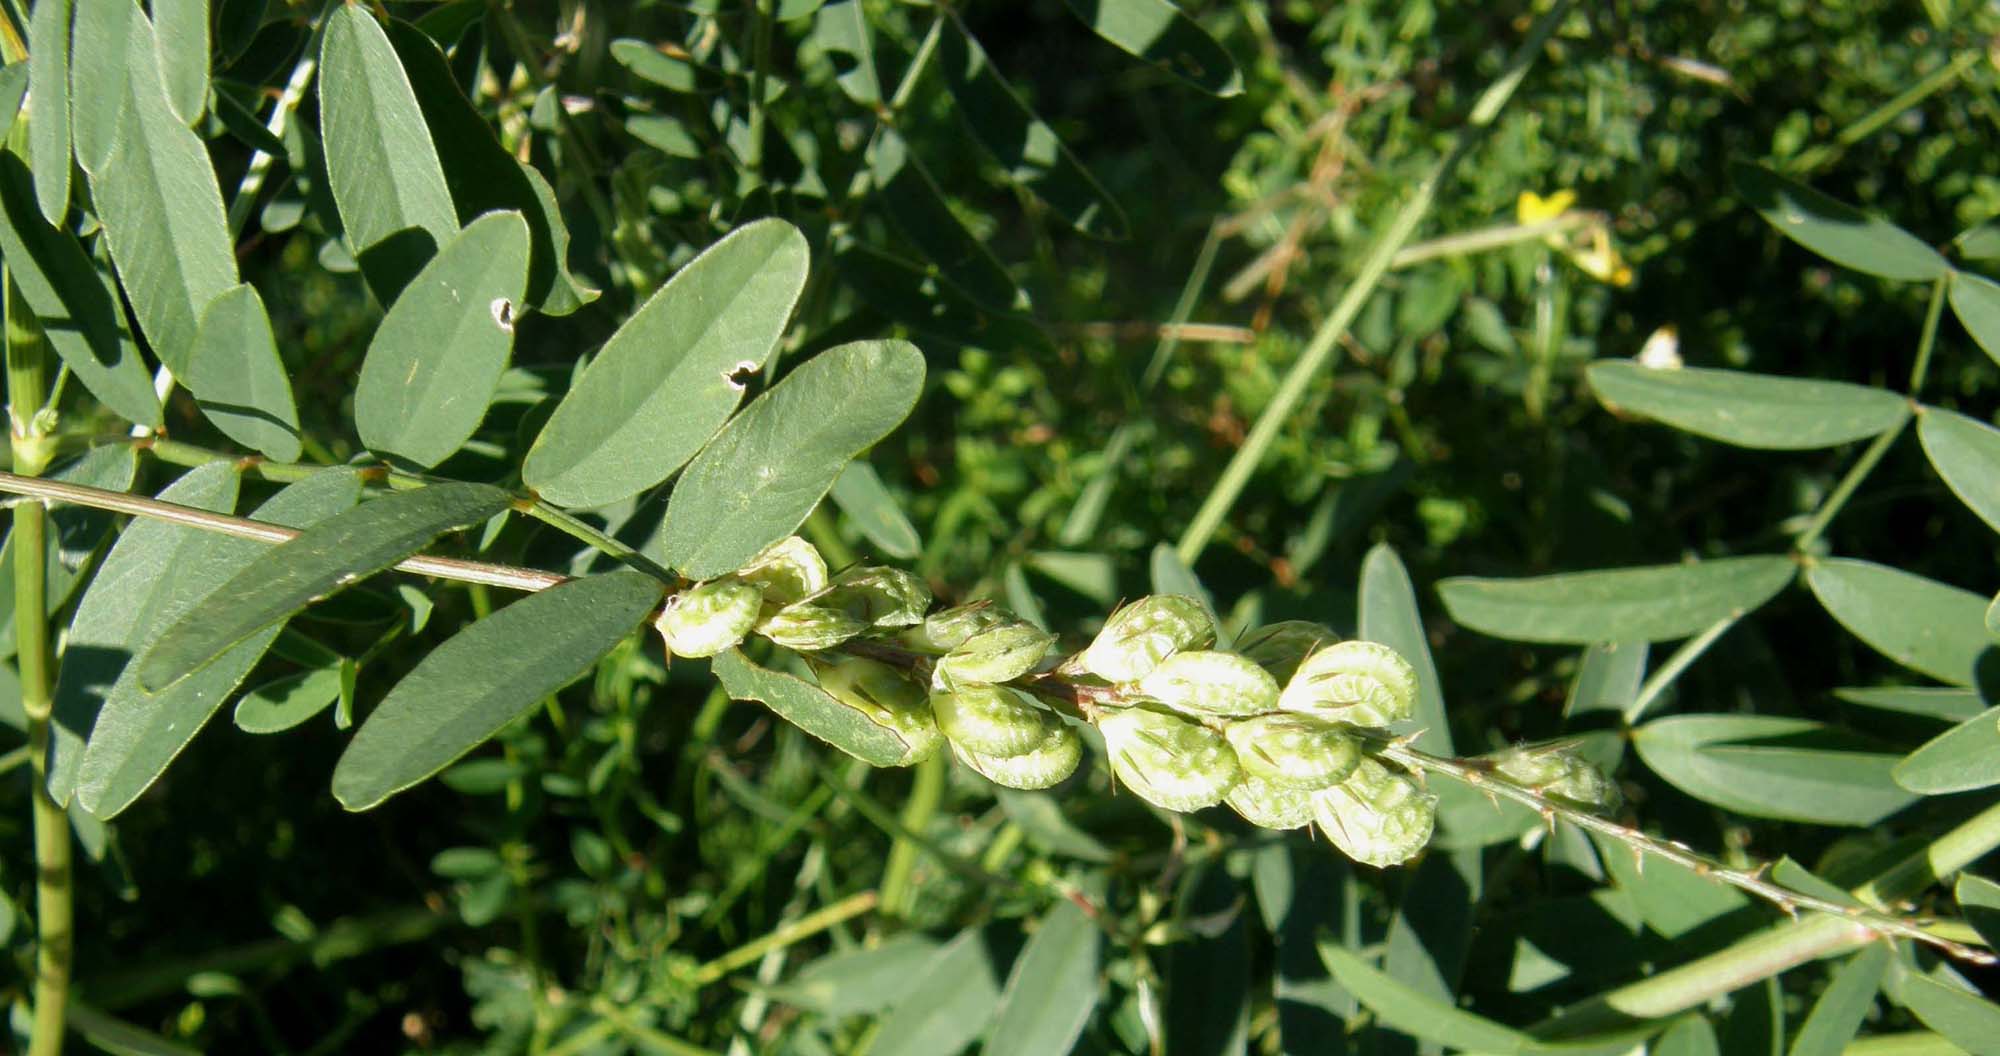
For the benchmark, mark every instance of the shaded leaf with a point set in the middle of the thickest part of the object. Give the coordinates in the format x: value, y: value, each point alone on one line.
x: 1966, y: 453
x: 1157, y: 31
x: 183, y: 32
x: 668, y: 378
x: 1963, y: 758
x: 1960, y: 1015
x: 1207, y: 975
x: 1773, y: 767
x: 910, y: 194
x: 1052, y: 989
x: 1402, y: 1007
x: 48, y: 82
x: 912, y: 296
x: 1389, y: 615
x: 1975, y: 299
x: 1952, y: 705
x: 1979, y: 900
x: 1838, y: 1014
x: 486, y: 676
x: 237, y: 378
x: 281, y: 704
x: 858, y: 981
x: 1920, y: 623
x: 810, y: 708
x: 841, y: 31
x: 760, y: 477
x: 858, y: 491
x: 947, y: 1004
x: 1644, y: 604
x: 1689, y: 1036
x: 1835, y: 230
x: 1749, y: 410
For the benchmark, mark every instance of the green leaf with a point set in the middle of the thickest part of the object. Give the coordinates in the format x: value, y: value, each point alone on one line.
x: 1961, y: 759
x: 322, y: 560
x: 1772, y: 767
x: 138, y: 734
x: 1951, y: 705
x: 485, y: 677
x: 1169, y: 575
x: 858, y: 981
x: 1689, y: 1036
x: 1920, y: 623
x: 13, y: 90
x: 810, y: 708
x: 1960, y: 1015
x: 909, y: 294
x: 382, y: 167
x: 1842, y: 1007
x: 237, y: 378
x: 1052, y: 989
x: 669, y: 377
x: 760, y: 477
x: 1966, y: 453
x: 1157, y: 31
x: 1749, y: 410
x: 1673, y: 900
x: 910, y: 195
x: 98, y: 94
x: 281, y: 704
x: 1389, y: 615
x: 1979, y: 901
x: 79, y: 312
x: 157, y: 198
x: 1402, y: 1007
x: 1837, y: 231
x: 1646, y: 604
x: 73, y: 532
x: 183, y: 31
x: 48, y: 83
x: 841, y: 31
x: 436, y: 360
x: 1975, y: 299
x: 946, y: 1004
x: 860, y: 494
x: 1027, y: 148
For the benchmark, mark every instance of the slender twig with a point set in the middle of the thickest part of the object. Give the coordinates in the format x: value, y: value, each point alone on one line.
x: 1480, y: 240
x: 805, y: 927
x: 1688, y: 653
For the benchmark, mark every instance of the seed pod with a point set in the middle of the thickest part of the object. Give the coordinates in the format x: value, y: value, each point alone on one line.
x: 1269, y: 804
x: 948, y: 629
x: 806, y: 627
x: 889, y: 698
x: 1294, y: 751
x: 1280, y: 647
x: 1002, y: 654
x: 787, y: 571
x: 1137, y: 637
x: 1167, y: 760
x: 1042, y: 766
x: 710, y: 617
x: 991, y: 720
x: 881, y: 597
x: 1377, y: 816
x: 1205, y: 682
x: 1363, y: 683
x: 1556, y: 771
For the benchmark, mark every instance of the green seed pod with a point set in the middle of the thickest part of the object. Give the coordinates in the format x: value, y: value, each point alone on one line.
x: 1002, y: 654
x: 1363, y: 683
x: 948, y: 629
x: 888, y: 697
x: 708, y: 618
x: 882, y: 597
x: 1294, y: 751
x: 1205, y: 682
x: 1137, y: 637
x: 1167, y: 760
x: 806, y: 627
x: 787, y: 571
x: 1280, y: 647
x: 1042, y: 766
x: 1270, y: 805
x: 1556, y: 771
x: 991, y: 720
x: 1377, y: 816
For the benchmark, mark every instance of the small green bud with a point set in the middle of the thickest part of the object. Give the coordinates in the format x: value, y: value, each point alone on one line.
x: 1205, y: 682
x: 1140, y: 635
x: 1363, y: 683
x: 991, y: 720
x: 1280, y: 647
x: 948, y: 629
x: 881, y: 597
x: 1042, y: 766
x: 1556, y: 771
x: 1377, y: 816
x: 1169, y: 761
x: 888, y: 697
x: 1002, y: 654
x: 1294, y: 751
x: 805, y: 626
x: 710, y: 617
x: 1269, y: 804
x: 787, y: 571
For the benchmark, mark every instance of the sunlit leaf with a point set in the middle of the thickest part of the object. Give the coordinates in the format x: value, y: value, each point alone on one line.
x: 184, y: 58
x: 858, y: 491
x: 1966, y: 453
x: 1052, y: 989
x: 1837, y: 231
x: 1959, y: 1014
x: 97, y: 90
x: 1920, y: 623
x: 237, y: 378
x: 48, y: 82
x: 1979, y: 901
x: 1644, y: 604
x: 1773, y: 767
x: 281, y: 704
x: 1749, y: 410
x: 841, y: 30
x: 1157, y: 31
x: 1843, y: 1006
x: 1389, y: 615
x: 946, y: 1004
x: 811, y: 709
x: 1961, y: 759
x: 1975, y: 299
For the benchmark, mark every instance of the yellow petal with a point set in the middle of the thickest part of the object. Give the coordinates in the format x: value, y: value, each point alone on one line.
x: 1532, y: 208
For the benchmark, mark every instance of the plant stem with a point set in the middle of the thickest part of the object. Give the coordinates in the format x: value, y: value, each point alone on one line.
x: 805, y: 927
x: 1854, y: 133
x: 1689, y: 651
x: 760, y: 71
x: 1846, y: 488
x: 1929, y: 339
x: 563, y: 522
x: 925, y: 791
x: 1326, y: 341
x: 1479, y: 240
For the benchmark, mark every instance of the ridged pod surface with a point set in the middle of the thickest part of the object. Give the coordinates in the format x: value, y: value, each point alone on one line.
x: 1270, y: 805
x: 1556, y: 771
x: 991, y: 720
x: 1044, y: 765
x: 807, y: 627
x: 710, y: 617
x: 1363, y: 683
x: 1206, y: 682
x: 1294, y: 751
x: 1137, y: 637
x: 1001, y: 654
x: 1377, y: 816
x: 1281, y: 647
x: 877, y: 596
x: 888, y: 697
x: 1169, y: 761
x: 787, y: 571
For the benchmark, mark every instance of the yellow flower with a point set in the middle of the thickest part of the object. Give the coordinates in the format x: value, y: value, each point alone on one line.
x: 1532, y: 208
x: 1601, y: 261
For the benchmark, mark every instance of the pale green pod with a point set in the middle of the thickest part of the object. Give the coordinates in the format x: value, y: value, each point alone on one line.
x: 880, y: 597
x: 787, y: 571
x: 1377, y: 816
x: 710, y: 617
x: 1280, y: 647
x: 947, y: 629
x: 1042, y: 766
x: 991, y: 720
x: 1363, y: 683
x: 888, y: 697
x: 1169, y: 761
x: 806, y: 627
x: 1294, y: 751
x: 1002, y: 654
x: 1556, y: 771
x: 1270, y: 805
x: 1140, y: 635
x: 1206, y: 682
